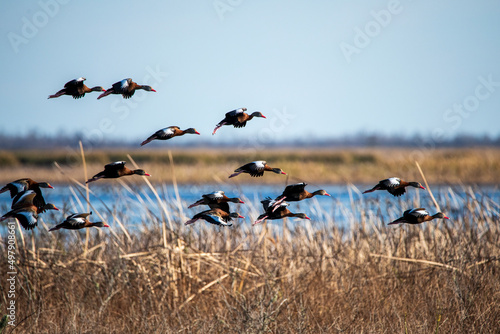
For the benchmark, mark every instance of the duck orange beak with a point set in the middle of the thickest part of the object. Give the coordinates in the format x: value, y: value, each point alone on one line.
x: 327, y: 194
x: 445, y: 217
x: 153, y: 90
x: 283, y: 173
x: 240, y: 216
x: 241, y: 202
x: 197, y: 133
x: 106, y: 225
x: 422, y: 187
x: 147, y: 174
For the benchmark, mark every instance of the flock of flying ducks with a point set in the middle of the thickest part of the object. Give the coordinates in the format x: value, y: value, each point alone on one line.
x: 28, y: 201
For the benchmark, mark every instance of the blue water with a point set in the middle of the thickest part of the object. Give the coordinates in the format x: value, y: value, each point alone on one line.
x: 135, y: 205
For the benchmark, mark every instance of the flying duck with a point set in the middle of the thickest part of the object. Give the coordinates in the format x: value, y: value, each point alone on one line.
x: 297, y: 192
x: 394, y: 185
x: 77, y: 89
x: 256, y: 169
x: 237, y: 118
x: 417, y: 216
x: 126, y: 88
x: 167, y: 133
x: 25, y: 211
x: 214, y: 199
x: 77, y: 221
x: 18, y: 186
x: 115, y: 170
x: 277, y: 211
x: 215, y: 216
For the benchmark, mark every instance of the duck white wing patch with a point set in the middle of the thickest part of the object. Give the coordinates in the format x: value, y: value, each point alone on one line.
x: 81, y: 79
x: 271, y: 203
x: 24, y: 194
x: 116, y: 163
x: 235, y: 112
x: 217, y: 218
x: 393, y: 182
x: 20, y: 186
x: 27, y: 218
x: 75, y: 221
x: 216, y: 194
x: 297, y: 187
x: 168, y: 131
x: 419, y: 212
x: 258, y: 165
x: 20, y: 197
x: 124, y: 83
x: 283, y: 204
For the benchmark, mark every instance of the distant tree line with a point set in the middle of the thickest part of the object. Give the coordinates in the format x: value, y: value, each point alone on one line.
x: 40, y: 141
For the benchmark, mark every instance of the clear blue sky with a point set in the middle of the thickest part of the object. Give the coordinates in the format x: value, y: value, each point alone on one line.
x: 321, y: 68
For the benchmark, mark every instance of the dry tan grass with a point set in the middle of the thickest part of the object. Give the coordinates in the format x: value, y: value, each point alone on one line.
x: 312, y: 165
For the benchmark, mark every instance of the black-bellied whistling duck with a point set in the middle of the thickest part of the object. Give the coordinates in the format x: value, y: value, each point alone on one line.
x: 237, y: 118
x: 126, y: 88
x: 417, y: 216
x: 18, y: 186
x: 27, y: 217
x: 215, y: 216
x: 297, y: 192
x: 24, y: 199
x: 77, y: 89
x: 25, y: 211
x: 167, y: 133
x: 280, y: 211
x: 256, y: 169
x: 214, y: 199
x: 394, y: 185
x: 115, y: 170
x: 77, y: 221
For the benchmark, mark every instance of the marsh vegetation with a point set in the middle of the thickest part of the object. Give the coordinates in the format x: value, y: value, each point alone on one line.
x: 285, y: 276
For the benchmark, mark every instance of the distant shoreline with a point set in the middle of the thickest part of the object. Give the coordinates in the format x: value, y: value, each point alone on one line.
x: 319, y: 166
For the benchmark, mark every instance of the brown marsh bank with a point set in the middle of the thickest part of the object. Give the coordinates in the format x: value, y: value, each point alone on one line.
x: 444, y: 166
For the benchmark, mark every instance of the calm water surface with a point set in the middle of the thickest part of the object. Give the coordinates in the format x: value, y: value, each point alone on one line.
x: 135, y: 206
